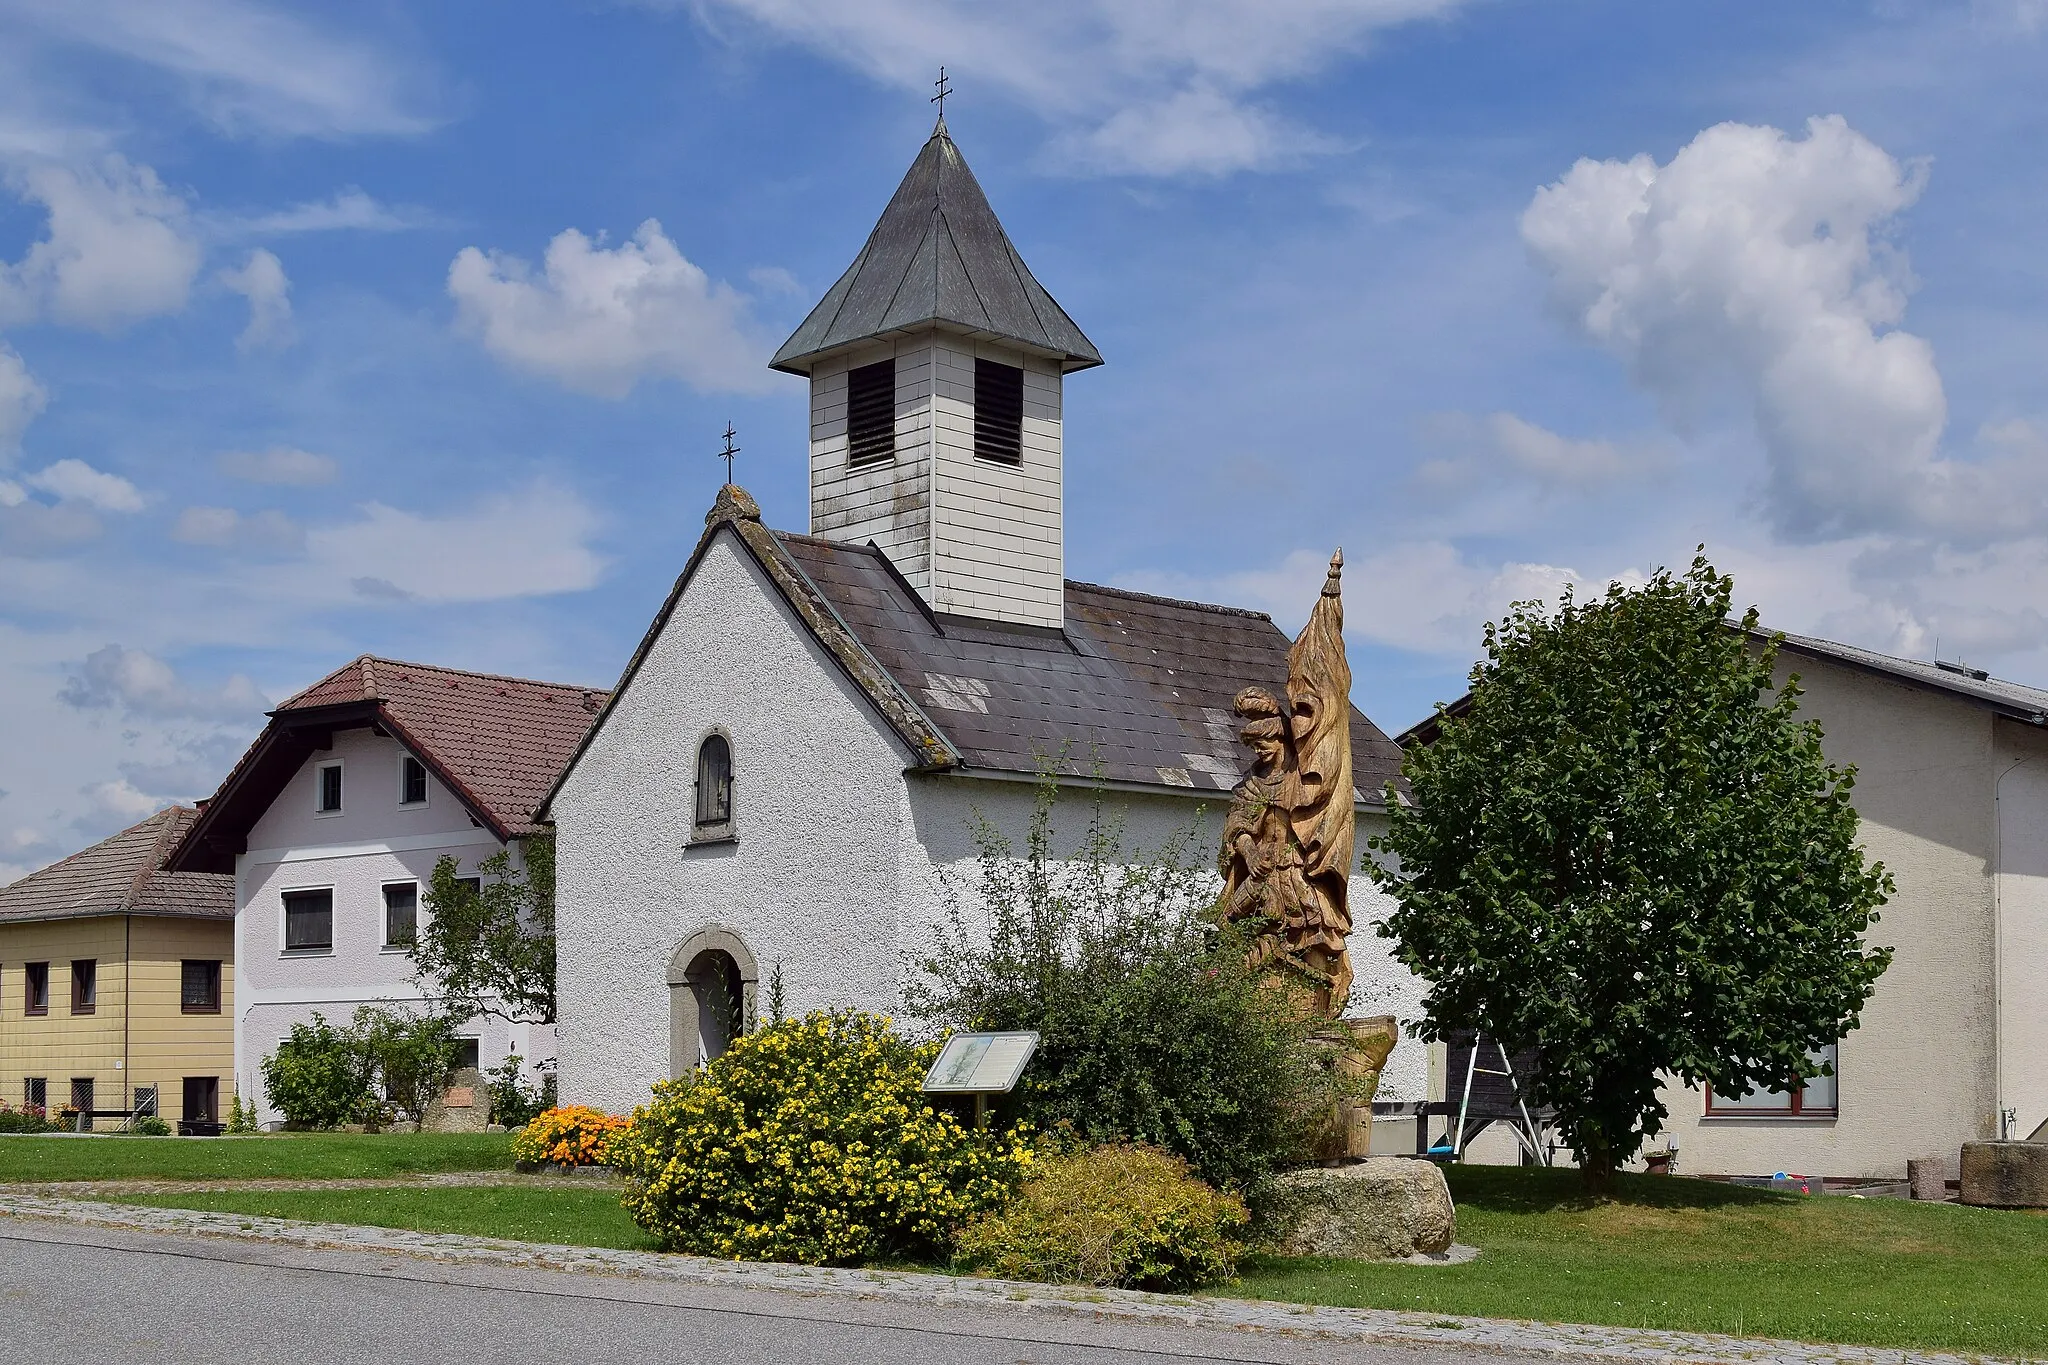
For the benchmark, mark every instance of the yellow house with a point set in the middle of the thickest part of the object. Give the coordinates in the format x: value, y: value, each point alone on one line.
x: 117, y: 982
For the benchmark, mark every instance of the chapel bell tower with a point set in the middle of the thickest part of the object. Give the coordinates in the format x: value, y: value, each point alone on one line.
x: 935, y: 366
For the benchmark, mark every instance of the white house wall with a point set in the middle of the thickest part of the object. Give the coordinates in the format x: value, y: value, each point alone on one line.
x: 1918, y: 1076
x: 371, y: 842
x: 811, y: 878
x: 2021, y: 786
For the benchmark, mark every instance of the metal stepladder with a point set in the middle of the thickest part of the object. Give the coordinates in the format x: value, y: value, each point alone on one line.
x: 1490, y: 1089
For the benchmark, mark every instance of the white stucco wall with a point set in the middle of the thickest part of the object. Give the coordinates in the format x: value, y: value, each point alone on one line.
x: 372, y: 842
x: 1918, y: 1076
x: 811, y: 879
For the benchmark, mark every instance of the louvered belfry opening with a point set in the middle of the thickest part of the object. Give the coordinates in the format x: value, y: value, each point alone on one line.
x: 998, y: 412
x: 871, y: 413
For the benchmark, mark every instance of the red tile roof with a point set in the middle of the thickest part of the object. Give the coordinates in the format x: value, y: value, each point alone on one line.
x: 498, y: 743
x: 502, y: 740
x: 122, y: 875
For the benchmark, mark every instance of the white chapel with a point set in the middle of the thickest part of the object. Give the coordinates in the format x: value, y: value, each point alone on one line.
x: 799, y: 746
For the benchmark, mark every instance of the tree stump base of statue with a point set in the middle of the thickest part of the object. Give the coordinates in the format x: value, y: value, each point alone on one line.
x: 1352, y: 1054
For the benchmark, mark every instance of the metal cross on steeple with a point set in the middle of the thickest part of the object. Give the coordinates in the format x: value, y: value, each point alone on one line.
x: 944, y: 90
x: 729, y: 451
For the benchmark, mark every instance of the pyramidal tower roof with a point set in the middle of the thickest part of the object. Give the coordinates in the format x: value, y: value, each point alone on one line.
x: 938, y: 255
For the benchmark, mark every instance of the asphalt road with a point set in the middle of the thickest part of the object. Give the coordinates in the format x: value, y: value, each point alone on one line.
x: 77, y: 1293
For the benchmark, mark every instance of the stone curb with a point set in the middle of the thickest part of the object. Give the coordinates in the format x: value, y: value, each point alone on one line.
x: 1377, y: 1326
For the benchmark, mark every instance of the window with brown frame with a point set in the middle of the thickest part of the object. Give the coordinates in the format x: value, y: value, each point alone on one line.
x: 35, y: 1090
x: 199, y: 991
x: 35, y: 988
x: 1819, y: 1098
x: 85, y: 985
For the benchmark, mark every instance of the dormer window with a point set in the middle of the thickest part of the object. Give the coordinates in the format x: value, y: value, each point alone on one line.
x: 998, y: 412
x: 871, y: 414
x: 327, y: 789
x: 412, y: 781
x: 714, y: 789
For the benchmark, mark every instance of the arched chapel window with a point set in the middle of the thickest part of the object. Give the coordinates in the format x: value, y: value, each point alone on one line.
x: 714, y: 785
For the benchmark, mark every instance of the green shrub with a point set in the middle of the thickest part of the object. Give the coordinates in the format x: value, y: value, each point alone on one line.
x: 810, y: 1141
x: 1151, y: 1026
x: 516, y: 1101
x: 412, y: 1055
x: 1121, y: 1215
x: 241, y: 1115
x: 319, y: 1077
x: 27, y: 1119
x: 149, y: 1125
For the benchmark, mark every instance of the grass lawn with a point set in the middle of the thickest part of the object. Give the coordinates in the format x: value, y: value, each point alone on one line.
x: 571, y: 1215
x: 274, y: 1156
x: 1667, y: 1253
x: 1696, y: 1256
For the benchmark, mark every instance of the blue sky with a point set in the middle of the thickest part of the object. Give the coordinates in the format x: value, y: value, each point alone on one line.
x: 411, y: 329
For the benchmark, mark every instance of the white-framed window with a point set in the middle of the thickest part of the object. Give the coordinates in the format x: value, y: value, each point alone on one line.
x: 327, y: 788
x: 468, y: 1053
x: 401, y: 915
x: 412, y: 781
x: 1820, y: 1097
x: 309, y: 920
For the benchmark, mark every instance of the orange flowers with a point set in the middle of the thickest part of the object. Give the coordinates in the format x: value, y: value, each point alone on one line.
x: 567, y: 1135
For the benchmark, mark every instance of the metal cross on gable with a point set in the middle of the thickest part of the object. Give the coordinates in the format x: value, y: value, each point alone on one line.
x: 729, y: 451
x: 944, y: 90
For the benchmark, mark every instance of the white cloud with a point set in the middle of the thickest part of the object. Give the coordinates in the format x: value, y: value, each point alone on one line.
x: 1754, y: 265
x: 261, y: 280
x: 510, y: 545
x: 279, y: 464
x: 350, y: 210
x: 118, y: 249
x: 140, y: 684
x: 1195, y: 132
x: 267, y: 531
x: 249, y: 67
x: 600, y: 319
x: 1136, y: 86
x: 1426, y: 596
x: 77, y: 481
x: 1475, y: 448
x: 121, y: 802
x: 21, y: 399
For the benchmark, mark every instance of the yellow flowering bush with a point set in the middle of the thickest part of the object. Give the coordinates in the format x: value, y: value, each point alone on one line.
x: 1120, y: 1214
x: 568, y: 1135
x: 810, y: 1141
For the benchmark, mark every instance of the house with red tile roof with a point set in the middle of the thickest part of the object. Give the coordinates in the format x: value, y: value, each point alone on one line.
x: 332, y: 822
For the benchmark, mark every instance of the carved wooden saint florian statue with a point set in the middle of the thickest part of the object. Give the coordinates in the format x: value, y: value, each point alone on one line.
x: 1288, y: 839
x: 1288, y: 850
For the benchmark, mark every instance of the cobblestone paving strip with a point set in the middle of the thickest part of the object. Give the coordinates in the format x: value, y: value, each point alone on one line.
x: 1575, y: 1342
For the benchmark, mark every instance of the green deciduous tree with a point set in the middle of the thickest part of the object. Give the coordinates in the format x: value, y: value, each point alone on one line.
x: 412, y: 1055
x: 1629, y: 853
x: 488, y: 945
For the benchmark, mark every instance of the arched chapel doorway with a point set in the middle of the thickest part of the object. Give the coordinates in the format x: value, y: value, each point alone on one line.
x: 711, y: 982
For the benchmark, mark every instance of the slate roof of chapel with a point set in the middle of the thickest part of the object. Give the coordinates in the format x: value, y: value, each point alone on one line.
x: 497, y: 742
x: 122, y: 875
x: 938, y: 255
x: 1136, y: 687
